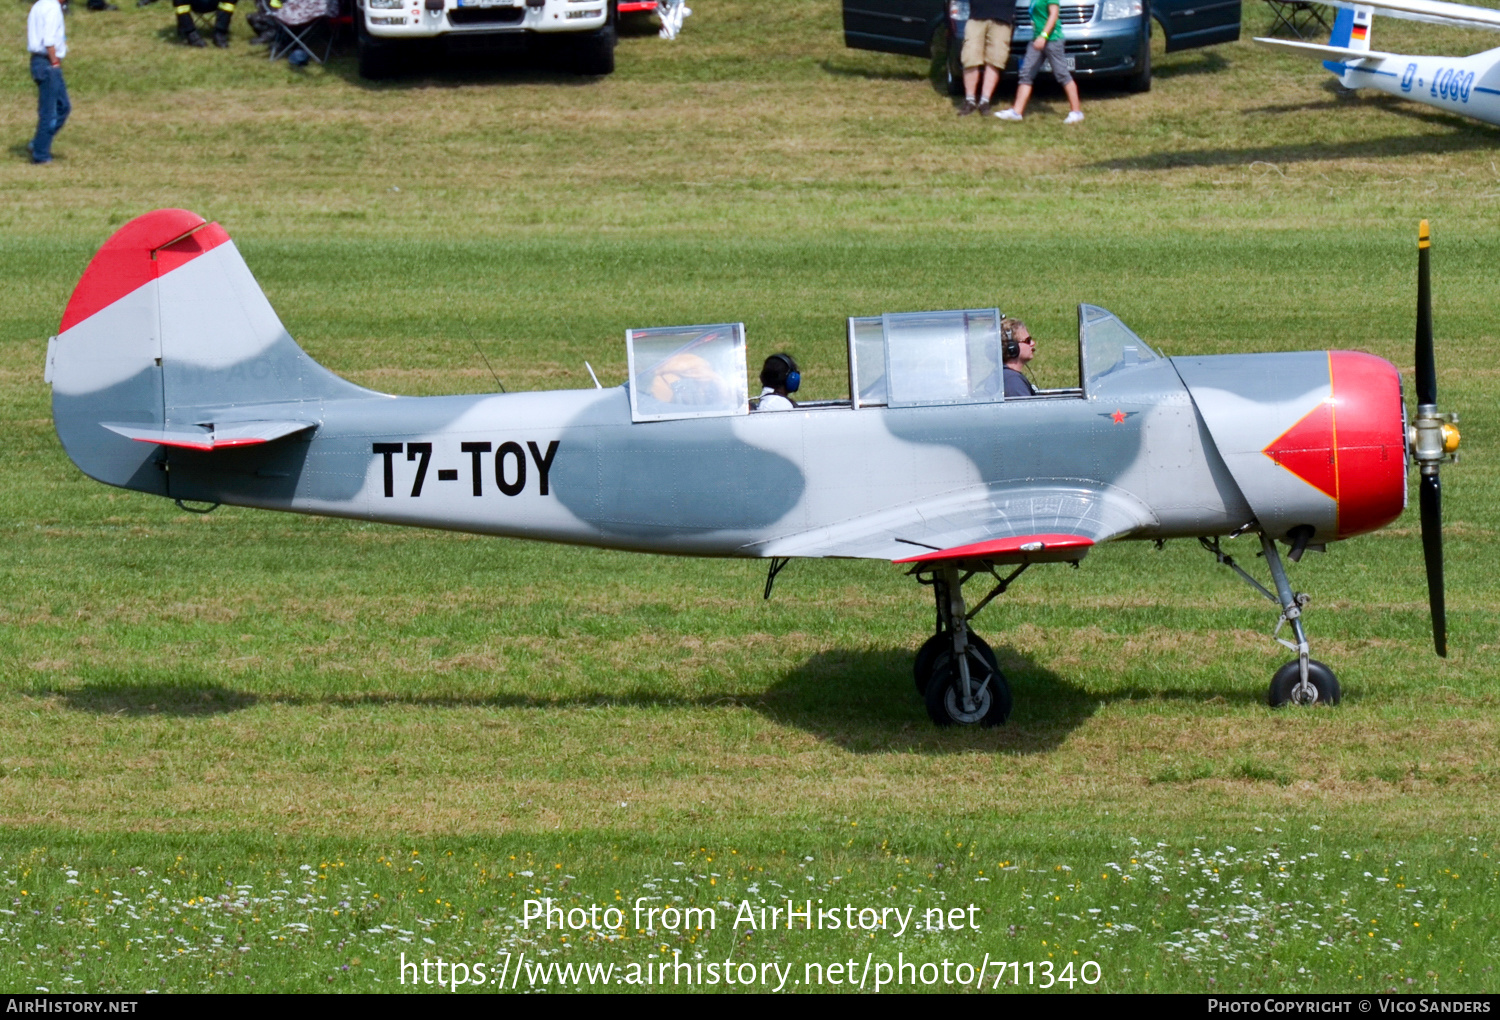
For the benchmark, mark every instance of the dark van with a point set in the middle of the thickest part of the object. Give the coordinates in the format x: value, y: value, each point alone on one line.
x: 1106, y: 38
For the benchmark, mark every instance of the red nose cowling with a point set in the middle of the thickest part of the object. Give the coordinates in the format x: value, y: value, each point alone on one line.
x: 1351, y: 446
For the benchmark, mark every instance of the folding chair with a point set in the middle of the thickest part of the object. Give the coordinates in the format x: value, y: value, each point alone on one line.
x: 297, y: 25
x: 1300, y: 17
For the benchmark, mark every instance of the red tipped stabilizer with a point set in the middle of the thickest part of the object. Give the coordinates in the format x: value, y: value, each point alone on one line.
x: 1018, y: 549
x: 205, y: 437
x: 144, y: 249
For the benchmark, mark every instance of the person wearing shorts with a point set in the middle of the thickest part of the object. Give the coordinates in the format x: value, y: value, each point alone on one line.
x: 1047, y: 41
x: 986, y: 46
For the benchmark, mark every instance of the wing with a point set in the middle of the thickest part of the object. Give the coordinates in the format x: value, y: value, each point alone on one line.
x: 1318, y: 52
x: 1435, y: 12
x: 998, y: 521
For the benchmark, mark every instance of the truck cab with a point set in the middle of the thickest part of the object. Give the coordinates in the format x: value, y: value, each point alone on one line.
x: 1107, y: 39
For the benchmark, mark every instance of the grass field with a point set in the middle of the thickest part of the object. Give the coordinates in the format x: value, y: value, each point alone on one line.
x: 260, y: 752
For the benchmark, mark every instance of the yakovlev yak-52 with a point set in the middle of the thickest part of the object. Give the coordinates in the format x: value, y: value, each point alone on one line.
x: 1467, y: 85
x: 172, y: 375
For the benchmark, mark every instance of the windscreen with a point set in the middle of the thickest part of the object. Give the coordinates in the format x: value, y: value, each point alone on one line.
x: 1108, y: 344
x: 687, y: 372
x: 943, y: 357
x: 867, y: 356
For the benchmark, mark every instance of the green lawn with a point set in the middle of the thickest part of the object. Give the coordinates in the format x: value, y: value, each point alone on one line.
x: 251, y: 751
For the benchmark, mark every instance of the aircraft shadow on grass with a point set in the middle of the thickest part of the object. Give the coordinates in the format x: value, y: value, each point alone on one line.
x: 1466, y: 138
x: 864, y: 701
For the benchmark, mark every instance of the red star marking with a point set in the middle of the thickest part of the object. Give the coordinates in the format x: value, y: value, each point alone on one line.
x: 1118, y: 417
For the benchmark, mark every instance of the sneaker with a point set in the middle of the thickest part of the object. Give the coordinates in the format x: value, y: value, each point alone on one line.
x: 967, y: 108
x: 1008, y: 113
x: 984, y: 108
x: 1075, y: 117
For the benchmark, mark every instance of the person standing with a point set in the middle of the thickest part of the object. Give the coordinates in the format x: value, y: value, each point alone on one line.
x: 986, y: 46
x: 46, y: 39
x: 1046, y: 24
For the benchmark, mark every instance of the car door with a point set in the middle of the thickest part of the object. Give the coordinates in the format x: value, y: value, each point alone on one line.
x: 893, y: 26
x: 1189, y: 23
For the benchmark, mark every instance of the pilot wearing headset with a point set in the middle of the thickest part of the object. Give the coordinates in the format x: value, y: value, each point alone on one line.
x: 1017, y: 348
x: 780, y: 378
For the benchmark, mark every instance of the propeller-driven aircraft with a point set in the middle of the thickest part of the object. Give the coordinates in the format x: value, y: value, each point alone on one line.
x: 171, y: 374
x: 1467, y: 85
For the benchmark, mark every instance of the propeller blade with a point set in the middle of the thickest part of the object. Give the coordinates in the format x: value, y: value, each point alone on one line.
x: 1431, y: 495
x: 1426, y: 369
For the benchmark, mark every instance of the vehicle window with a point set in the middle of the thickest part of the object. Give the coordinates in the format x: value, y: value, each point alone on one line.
x: 943, y: 357
x: 687, y: 372
x: 867, y: 361
x: 1107, y: 345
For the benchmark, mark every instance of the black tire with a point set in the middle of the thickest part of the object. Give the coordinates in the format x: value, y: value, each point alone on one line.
x: 1140, y: 81
x: 942, y: 698
x: 377, y: 58
x: 1320, y: 676
x: 595, y: 54
x: 921, y: 666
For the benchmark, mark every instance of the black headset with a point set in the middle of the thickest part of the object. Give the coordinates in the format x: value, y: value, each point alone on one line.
x: 793, y: 377
x: 1010, y: 347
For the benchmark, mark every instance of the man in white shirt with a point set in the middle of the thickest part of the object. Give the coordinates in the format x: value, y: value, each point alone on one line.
x: 46, y: 39
x: 779, y: 378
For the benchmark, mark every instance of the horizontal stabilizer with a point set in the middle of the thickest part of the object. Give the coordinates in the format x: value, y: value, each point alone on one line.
x: 1319, y: 52
x: 1436, y: 12
x: 204, y: 437
x: 1016, y: 549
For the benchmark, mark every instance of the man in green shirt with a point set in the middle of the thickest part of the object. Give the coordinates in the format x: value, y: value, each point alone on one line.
x: 1047, y: 41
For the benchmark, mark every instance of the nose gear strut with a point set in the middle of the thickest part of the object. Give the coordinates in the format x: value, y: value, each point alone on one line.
x: 1305, y: 681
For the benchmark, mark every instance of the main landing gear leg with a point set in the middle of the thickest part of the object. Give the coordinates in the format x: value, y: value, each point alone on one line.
x: 956, y: 671
x: 1305, y: 681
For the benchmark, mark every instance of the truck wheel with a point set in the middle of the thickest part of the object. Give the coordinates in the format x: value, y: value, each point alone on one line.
x: 376, y: 57
x: 595, y: 55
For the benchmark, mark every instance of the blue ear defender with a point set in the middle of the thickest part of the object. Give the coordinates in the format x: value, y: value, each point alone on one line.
x: 793, y: 377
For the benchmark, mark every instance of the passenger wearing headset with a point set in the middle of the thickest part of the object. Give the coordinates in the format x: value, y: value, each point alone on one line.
x: 1018, y: 348
x: 780, y: 378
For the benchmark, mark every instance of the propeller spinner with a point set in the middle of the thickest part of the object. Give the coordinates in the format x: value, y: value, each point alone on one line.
x: 1433, y: 438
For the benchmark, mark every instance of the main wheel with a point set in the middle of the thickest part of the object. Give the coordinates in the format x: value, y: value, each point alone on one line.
x: 945, y: 704
x: 921, y: 666
x: 1284, y: 683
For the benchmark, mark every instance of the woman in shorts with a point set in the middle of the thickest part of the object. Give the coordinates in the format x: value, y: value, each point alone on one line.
x: 1047, y: 41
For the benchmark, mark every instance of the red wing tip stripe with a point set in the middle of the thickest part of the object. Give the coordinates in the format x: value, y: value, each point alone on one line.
x: 1016, y: 545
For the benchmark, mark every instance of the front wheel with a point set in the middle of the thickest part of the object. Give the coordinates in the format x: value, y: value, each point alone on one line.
x: 595, y: 55
x: 377, y: 58
x: 1284, y: 685
x: 1140, y: 81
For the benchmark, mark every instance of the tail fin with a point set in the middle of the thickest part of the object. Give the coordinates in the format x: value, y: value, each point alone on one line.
x: 1351, y: 31
x: 166, y: 336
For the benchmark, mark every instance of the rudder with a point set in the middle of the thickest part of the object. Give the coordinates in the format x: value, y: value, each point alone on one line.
x: 167, y: 329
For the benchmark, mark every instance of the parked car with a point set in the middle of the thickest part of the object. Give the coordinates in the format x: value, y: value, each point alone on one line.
x: 1109, y: 39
